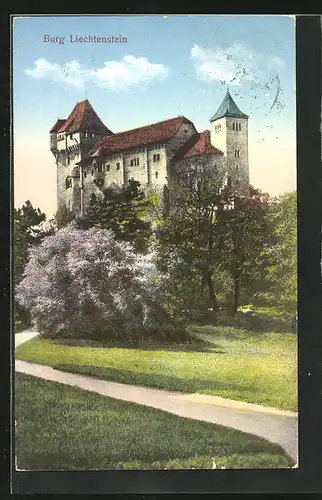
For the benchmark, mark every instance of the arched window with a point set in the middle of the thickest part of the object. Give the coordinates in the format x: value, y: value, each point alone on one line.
x: 68, y: 182
x: 239, y: 126
x: 156, y: 175
x: 236, y: 153
x: 234, y: 126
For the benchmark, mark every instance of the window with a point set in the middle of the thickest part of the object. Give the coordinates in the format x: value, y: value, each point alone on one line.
x: 93, y: 135
x: 185, y: 130
x: 236, y: 153
x: 156, y: 175
x: 68, y: 160
x: 92, y: 171
x: 108, y: 168
x: 239, y: 126
x: 85, y: 175
x: 237, y: 168
x: 234, y: 126
x: 117, y: 166
x: 71, y: 136
x: 135, y: 162
x: 68, y: 183
x: 156, y: 158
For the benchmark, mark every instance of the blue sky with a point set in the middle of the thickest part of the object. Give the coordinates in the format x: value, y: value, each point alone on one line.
x: 176, y: 65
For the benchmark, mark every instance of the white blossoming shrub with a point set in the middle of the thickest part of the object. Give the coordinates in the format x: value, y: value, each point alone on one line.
x: 84, y: 283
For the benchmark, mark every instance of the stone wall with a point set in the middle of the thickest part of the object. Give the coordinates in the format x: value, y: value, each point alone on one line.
x: 226, y: 136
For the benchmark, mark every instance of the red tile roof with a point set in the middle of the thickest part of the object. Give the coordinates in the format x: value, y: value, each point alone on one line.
x: 57, y: 125
x: 198, y: 145
x: 159, y: 132
x: 82, y: 118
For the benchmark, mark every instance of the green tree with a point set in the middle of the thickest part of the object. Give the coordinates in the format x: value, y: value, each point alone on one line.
x: 29, y: 230
x: 63, y: 217
x: 282, y: 253
x: 123, y: 210
x: 189, y: 241
x: 245, y: 230
x: 214, y: 232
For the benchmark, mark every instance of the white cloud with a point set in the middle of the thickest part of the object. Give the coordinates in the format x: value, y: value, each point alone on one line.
x: 123, y: 74
x: 232, y: 65
x: 275, y: 62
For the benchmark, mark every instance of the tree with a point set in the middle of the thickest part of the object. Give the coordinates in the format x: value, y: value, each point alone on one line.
x: 282, y: 253
x: 215, y: 231
x: 245, y: 232
x: 86, y: 283
x: 29, y: 230
x: 123, y: 210
x: 189, y: 242
x: 63, y: 217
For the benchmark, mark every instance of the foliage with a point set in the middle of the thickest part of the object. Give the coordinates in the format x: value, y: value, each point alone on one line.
x: 245, y: 233
x: 60, y: 427
x: 281, y: 254
x: 29, y: 229
x: 122, y: 210
x: 63, y: 217
x: 211, y: 240
x: 86, y: 283
x: 188, y: 243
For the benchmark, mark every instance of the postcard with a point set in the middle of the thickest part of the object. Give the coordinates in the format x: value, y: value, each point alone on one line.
x: 155, y: 243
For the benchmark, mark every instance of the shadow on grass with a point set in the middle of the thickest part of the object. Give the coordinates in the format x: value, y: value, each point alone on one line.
x: 155, y: 380
x: 200, y: 345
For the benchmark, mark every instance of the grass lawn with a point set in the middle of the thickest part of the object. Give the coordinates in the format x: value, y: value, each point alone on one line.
x: 59, y: 427
x: 256, y: 368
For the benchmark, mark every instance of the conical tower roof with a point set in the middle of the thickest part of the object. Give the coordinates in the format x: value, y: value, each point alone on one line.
x: 83, y: 118
x: 228, y: 108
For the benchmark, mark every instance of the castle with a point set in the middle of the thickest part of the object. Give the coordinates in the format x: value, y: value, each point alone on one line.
x: 89, y: 156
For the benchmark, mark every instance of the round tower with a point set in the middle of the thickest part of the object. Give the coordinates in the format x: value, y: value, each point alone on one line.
x: 70, y: 141
x: 229, y: 133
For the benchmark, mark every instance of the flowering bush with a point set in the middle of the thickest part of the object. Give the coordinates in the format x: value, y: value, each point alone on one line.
x: 84, y: 283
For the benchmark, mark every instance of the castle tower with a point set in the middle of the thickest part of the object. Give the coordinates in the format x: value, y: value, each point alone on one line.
x: 229, y: 133
x: 70, y: 141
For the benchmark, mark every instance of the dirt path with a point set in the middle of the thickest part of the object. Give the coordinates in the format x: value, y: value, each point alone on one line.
x: 272, y: 424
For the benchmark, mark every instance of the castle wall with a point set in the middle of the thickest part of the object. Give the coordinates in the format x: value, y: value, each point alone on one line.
x: 158, y: 171
x: 218, y: 131
x: 238, y: 140
x: 224, y: 137
x: 150, y: 165
x: 135, y: 166
x: 198, y: 164
x: 184, y: 132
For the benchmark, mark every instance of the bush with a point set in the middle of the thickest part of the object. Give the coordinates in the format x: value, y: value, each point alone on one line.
x: 261, y: 323
x: 22, y: 317
x: 84, y: 283
x: 265, y: 320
